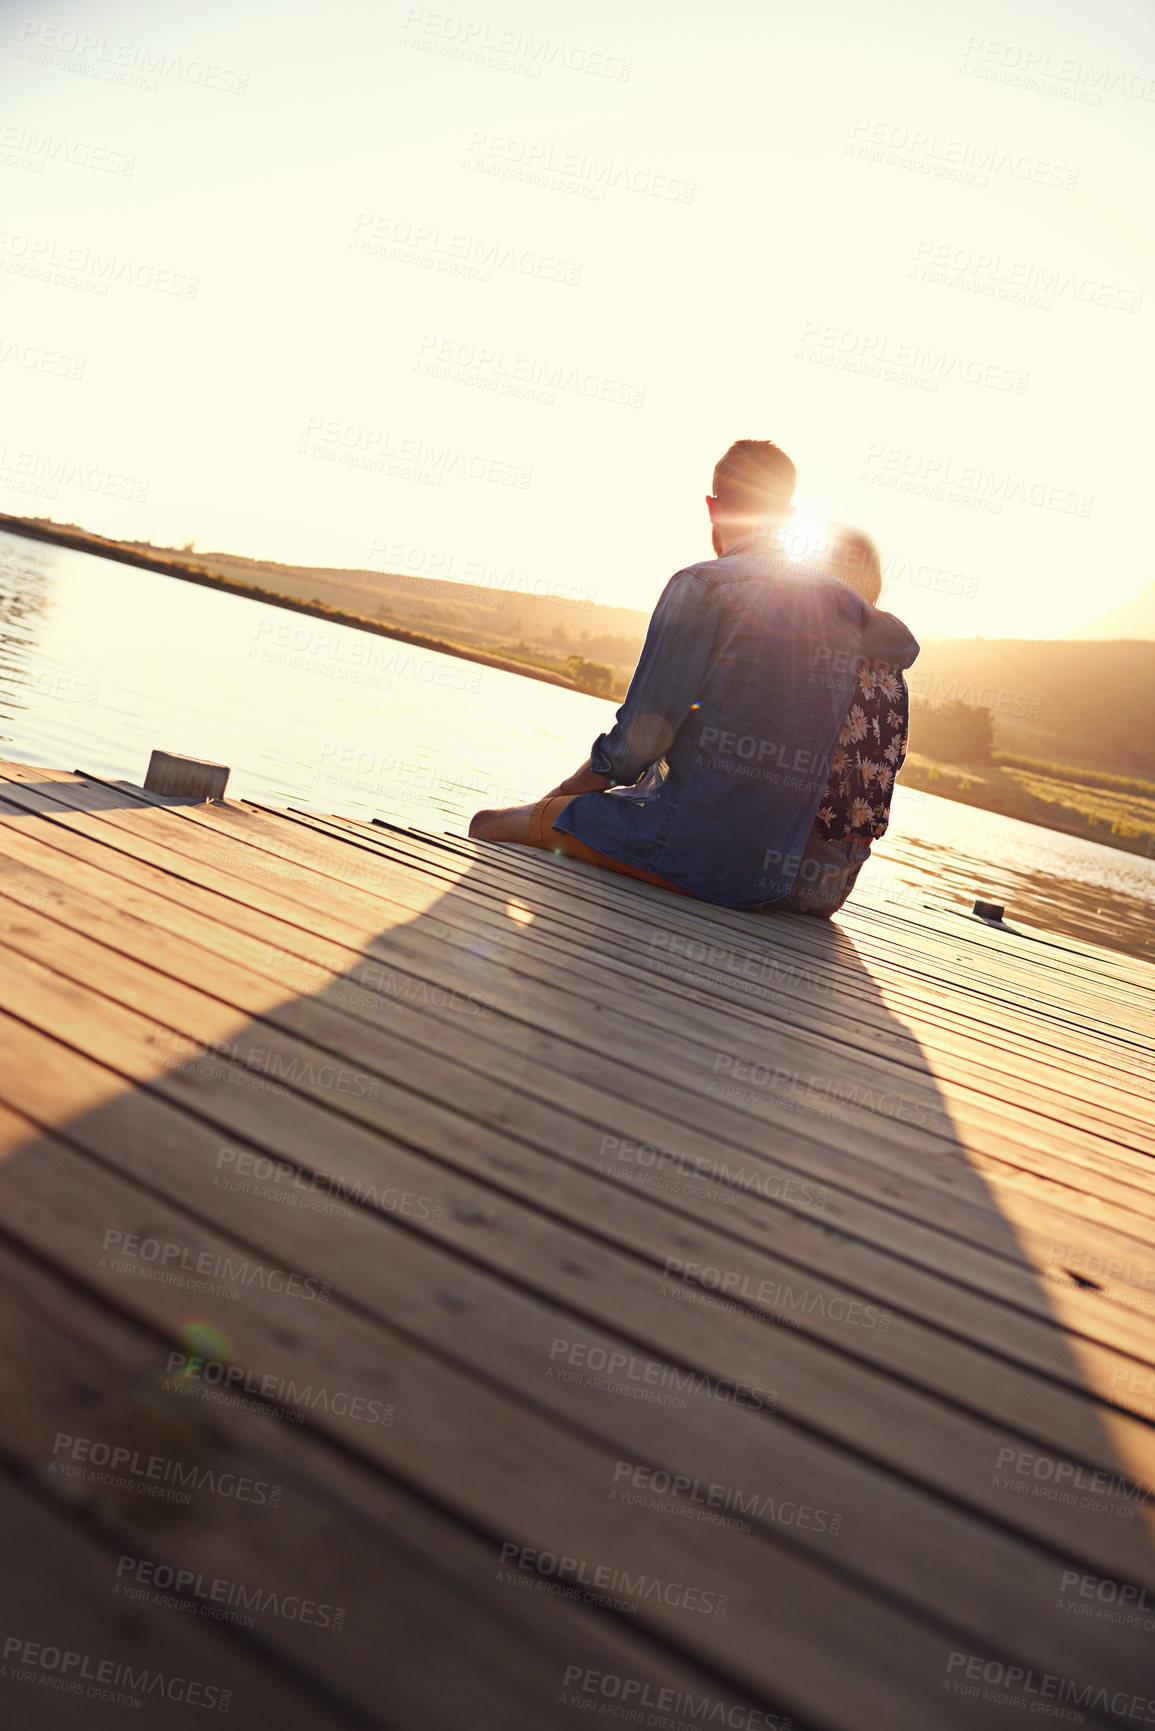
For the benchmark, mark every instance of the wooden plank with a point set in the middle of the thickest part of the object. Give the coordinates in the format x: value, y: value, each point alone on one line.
x: 845, y: 1004
x: 521, y: 1478
x: 221, y: 821
x: 896, y: 1533
x: 1106, y: 970
x: 578, y: 1259
x: 827, y: 1389
x: 526, y: 860
x: 1066, y: 952
x: 346, y: 1037
x: 893, y: 950
x: 817, y: 942
x: 84, y: 1658
x: 1138, y: 1165
x: 354, y: 1036
x: 903, y: 927
x: 606, y: 890
x: 966, y: 1107
x: 1051, y: 1234
x: 1125, y: 1093
x: 415, y: 1587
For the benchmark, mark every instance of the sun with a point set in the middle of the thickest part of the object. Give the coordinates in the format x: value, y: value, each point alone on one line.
x: 806, y: 536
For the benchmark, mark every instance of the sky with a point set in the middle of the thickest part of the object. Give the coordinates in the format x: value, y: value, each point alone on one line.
x: 483, y: 294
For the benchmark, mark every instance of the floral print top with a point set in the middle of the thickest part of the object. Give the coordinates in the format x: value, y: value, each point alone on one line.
x: 868, y: 756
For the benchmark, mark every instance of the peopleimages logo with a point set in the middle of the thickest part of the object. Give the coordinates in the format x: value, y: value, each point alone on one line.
x: 485, y: 44
x: 156, y: 1471
x: 1014, y: 1685
x: 430, y: 570
x: 53, y: 472
x: 744, y: 970
x: 35, y: 359
x: 929, y: 689
x: 462, y: 255
x: 1102, y: 1271
x: 634, y: 1693
x: 714, y: 1503
x: 1106, y: 1600
x: 1064, y: 1481
x: 793, y: 1090
x: 35, y: 255
x: 236, y: 1380
x: 120, y: 62
x: 778, y: 1185
x: 962, y: 159
x: 526, y: 377
x: 609, y: 1580
x: 381, y: 451
x: 181, y: 1050
x: 1031, y: 67
x: 178, y: 1259
x: 538, y: 163
x: 1023, y: 281
x: 42, y: 147
x: 648, y: 1375
x: 733, y: 1285
x: 877, y: 355
x: 215, y: 1591
x: 274, y: 1172
x: 989, y: 488
x: 63, y: 1669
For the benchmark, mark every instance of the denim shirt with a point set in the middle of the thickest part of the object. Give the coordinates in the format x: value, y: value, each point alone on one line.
x: 722, y: 748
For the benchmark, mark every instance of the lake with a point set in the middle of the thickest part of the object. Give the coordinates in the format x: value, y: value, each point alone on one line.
x: 100, y: 662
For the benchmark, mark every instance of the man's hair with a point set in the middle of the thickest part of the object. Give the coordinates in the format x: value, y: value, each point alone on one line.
x: 754, y: 479
x: 853, y: 557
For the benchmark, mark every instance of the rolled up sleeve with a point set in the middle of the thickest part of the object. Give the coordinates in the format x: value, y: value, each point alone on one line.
x: 667, y: 681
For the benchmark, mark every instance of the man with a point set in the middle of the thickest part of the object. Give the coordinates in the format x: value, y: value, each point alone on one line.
x: 711, y: 779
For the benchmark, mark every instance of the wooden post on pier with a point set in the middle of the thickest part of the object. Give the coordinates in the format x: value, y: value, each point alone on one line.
x: 185, y: 777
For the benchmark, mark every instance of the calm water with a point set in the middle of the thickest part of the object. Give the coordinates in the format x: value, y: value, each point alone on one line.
x: 100, y: 662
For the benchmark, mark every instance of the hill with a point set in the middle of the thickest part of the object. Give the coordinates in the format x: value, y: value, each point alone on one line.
x: 526, y: 625
x: 1081, y: 703
x: 1131, y: 619
x: 512, y: 614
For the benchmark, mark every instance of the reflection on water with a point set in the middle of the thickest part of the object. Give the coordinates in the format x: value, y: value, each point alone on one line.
x: 1060, y: 883
x: 99, y: 662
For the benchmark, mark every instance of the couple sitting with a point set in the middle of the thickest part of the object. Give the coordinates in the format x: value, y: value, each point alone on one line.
x: 753, y: 759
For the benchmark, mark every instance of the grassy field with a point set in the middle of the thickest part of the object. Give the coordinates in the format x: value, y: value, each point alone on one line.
x: 1074, y: 773
x: 1116, y: 810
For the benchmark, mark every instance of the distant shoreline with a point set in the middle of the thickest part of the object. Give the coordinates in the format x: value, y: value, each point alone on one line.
x: 1034, y: 793
x: 84, y: 541
x: 1041, y: 795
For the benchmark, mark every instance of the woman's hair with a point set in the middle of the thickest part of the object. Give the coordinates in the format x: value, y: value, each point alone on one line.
x: 852, y: 557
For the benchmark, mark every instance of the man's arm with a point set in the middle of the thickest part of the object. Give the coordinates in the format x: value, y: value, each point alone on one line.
x: 582, y: 780
x: 668, y: 678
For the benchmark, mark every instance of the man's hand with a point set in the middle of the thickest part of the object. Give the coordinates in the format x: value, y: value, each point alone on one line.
x: 582, y: 780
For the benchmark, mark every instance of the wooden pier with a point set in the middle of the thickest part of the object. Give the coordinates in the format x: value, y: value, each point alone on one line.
x: 446, y: 1286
